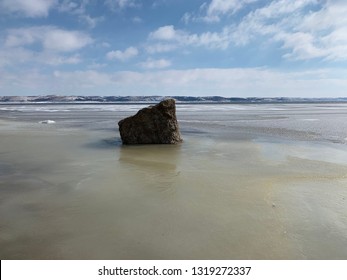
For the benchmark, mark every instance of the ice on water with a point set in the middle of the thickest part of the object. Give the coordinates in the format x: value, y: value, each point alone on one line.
x: 248, y: 182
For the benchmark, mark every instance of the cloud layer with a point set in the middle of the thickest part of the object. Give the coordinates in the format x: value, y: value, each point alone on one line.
x: 123, y: 55
x: 202, y: 82
x: 244, y: 47
x: 28, y: 8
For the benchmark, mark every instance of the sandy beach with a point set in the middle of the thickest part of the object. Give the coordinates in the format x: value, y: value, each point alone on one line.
x: 265, y: 181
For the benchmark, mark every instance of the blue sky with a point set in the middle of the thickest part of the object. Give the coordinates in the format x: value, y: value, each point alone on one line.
x: 245, y: 48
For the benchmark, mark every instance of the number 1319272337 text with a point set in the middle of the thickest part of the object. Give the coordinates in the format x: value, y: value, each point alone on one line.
x: 221, y: 270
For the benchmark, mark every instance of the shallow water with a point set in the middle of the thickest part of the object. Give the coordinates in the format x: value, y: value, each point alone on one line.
x: 248, y: 182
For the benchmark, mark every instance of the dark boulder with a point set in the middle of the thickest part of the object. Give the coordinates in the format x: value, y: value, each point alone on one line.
x: 152, y: 125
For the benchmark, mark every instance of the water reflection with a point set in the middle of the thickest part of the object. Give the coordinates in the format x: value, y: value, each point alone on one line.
x: 156, y: 165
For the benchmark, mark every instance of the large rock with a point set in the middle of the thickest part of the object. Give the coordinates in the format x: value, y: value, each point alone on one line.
x: 152, y: 125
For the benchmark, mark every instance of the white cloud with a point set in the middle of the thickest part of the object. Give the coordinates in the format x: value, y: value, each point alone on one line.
x: 49, y: 37
x: 73, y: 7
x: 160, y: 48
x: 302, y: 45
x: 121, y: 4
x: 274, y: 17
x: 167, y: 33
x: 81, y: 79
x: 65, y: 41
x: 42, y: 45
x: 123, y: 55
x: 9, y: 57
x: 155, y: 63
x: 158, y: 3
x: 137, y: 20
x: 20, y: 37
x: 319, y: 33
x: 97, y: 65
x: 243, y: 82
x: 216, y: 9
x: 54, y: 59
x: 181, y: 38
x: 91, y: 21
x: 305, y: 29
x: 279, y: 8
x: 28, y: 8
x: 79, y: 10
x: 19, y: 55
x: 105, y: 45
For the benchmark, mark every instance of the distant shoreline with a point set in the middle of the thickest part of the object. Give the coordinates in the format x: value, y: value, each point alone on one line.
x: 151, y: 103
x: 138, y: 100
x: 177, y: 103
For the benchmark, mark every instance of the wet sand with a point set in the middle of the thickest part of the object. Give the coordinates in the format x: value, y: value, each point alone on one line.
x: 248, y: 182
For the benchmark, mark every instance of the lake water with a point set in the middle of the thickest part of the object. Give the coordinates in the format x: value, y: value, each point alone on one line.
x: 266, y: 181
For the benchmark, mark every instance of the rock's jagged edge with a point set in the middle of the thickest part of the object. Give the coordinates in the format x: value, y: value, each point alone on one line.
x: 152, y: 125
